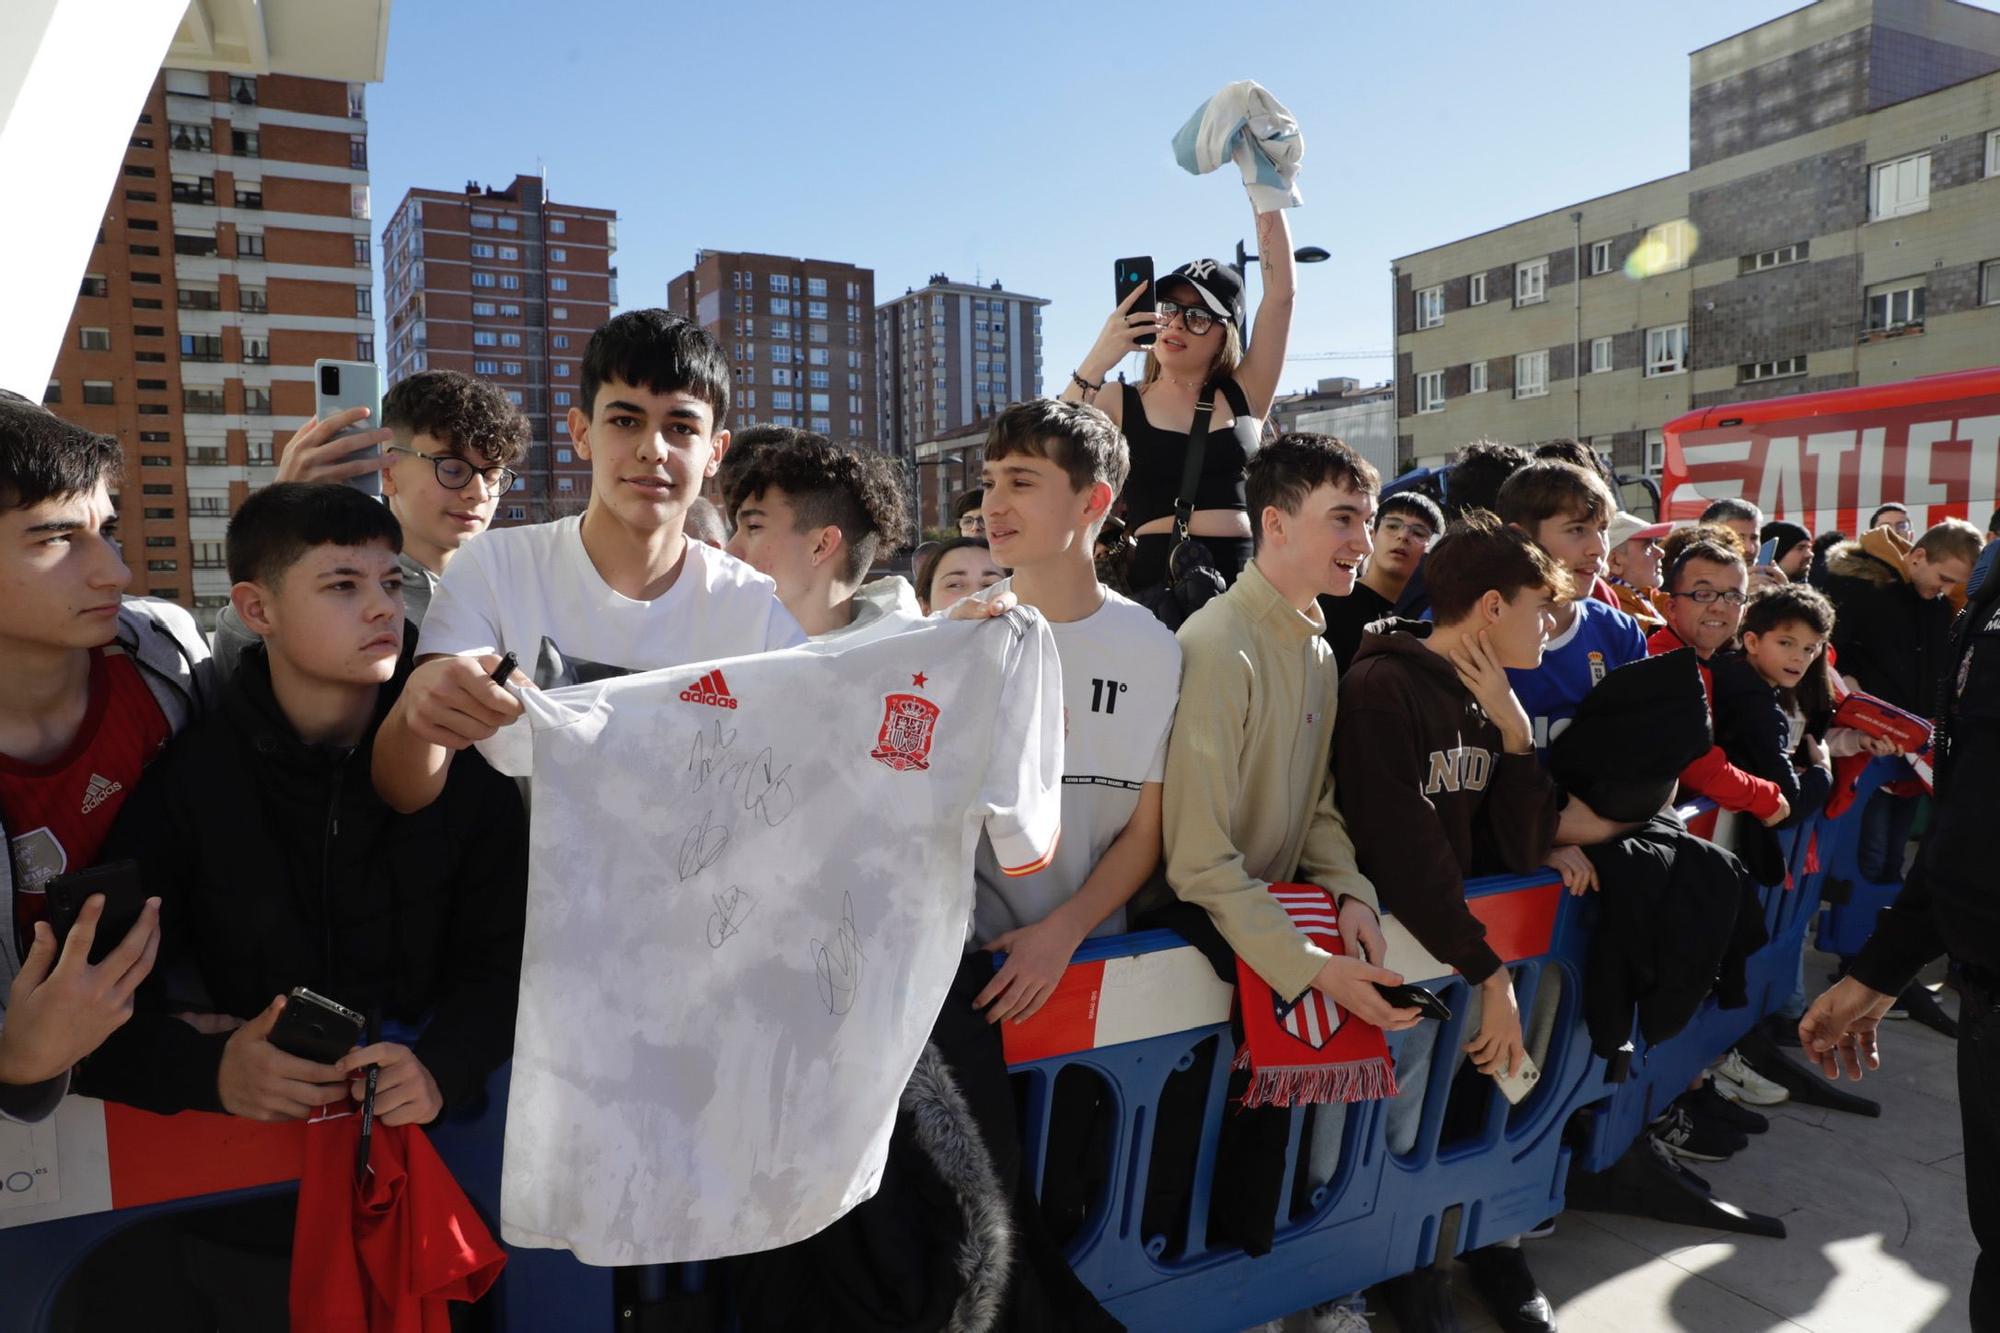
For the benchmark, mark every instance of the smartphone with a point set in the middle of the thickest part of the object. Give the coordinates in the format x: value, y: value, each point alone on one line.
x: 1408, y: 996
x: 1522, y: 1083
x: 1767, y: 552
x: 124, y: 899
x: 1128, y: 274
x: 339, y: 385
x: 315, y: 1028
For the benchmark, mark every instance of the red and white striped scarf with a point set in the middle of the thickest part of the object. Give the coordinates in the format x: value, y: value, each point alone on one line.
x: 1308, y: 1050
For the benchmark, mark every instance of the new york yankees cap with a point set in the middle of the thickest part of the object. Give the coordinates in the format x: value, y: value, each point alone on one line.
x: 1221, y: 290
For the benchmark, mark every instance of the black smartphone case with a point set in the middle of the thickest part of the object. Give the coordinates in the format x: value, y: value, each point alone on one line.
x: 312, y: 1033
x: 124, y: 899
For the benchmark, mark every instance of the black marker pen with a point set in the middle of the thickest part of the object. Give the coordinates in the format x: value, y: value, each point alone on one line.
x: 505, y: 671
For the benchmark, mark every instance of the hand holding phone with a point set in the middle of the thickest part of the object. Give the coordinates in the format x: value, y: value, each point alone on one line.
x: 61, y: 1007
x: 1135, y: 275
x: 259, y: 1081
x: 124, y: 899
x: 1768, y: 551
x: 1521, y: 1082
x: 342, y: 386
x: 1412, y: 996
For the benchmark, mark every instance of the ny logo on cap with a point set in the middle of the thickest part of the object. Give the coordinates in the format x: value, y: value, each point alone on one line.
x: 1201, y: 268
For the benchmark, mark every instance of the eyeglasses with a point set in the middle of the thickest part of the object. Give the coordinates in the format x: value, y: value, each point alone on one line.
x: 455, y: 474
x: 1706, y: 595
x: 1392, y: 526
x: 1194, y: 321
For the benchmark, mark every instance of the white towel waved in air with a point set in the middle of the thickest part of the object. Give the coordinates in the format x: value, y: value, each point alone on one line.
x: 1246, y: 125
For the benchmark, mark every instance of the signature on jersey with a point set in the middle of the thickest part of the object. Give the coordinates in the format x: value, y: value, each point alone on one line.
x: 839, y: 962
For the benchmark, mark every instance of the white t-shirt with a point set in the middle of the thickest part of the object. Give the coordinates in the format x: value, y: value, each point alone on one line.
x: 747, y: 897
x: 1121, y: 677
x: 510, y: 588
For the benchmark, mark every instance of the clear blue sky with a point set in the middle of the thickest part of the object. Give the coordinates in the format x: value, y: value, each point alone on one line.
x: 1030, y: 142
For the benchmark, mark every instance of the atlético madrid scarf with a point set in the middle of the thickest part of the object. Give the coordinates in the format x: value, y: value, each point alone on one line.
x: 1308, y: 1050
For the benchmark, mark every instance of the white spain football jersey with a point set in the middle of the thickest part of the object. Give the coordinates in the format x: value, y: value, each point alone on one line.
x: 750, y: 883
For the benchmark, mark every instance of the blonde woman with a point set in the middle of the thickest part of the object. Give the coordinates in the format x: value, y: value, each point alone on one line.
x: 1199, y: 327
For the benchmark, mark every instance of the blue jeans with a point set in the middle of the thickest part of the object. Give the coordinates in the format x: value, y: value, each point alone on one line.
x: 1885, y: 834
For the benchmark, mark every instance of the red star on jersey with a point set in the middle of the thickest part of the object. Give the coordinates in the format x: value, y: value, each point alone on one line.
x: 918, y: 679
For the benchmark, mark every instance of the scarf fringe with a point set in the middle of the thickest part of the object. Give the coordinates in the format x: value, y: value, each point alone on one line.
x: 1356, y: 1081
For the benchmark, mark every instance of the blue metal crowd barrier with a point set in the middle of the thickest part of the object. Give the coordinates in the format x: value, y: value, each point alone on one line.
x: 1847, y: 923
x: 1376, y: 1215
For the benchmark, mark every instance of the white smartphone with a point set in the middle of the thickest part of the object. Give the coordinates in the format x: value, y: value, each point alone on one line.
x: 1522, y: 1083
x: 339, y: 385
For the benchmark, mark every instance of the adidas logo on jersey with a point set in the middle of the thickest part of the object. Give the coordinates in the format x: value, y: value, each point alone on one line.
x: 99, y: 790
x: 710, y: 689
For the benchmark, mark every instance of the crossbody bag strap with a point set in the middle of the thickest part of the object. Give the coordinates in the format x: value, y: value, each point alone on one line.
x: 1197, y: 449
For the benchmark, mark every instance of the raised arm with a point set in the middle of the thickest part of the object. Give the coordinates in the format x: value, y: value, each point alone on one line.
x: 1118, y: 338
x: 1264, y: 359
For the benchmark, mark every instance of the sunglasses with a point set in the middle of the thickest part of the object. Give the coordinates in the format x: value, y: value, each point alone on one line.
x: 1193, y: 320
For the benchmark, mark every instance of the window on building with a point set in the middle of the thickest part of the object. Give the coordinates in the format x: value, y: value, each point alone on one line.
x: 1430, y: 391
x: 201, y: 347
x: 249, y: 245
x: 510, y: 340
x: 200, y: 295
x: 562, y: 397
x: 244, y: 143
x: 203, y: 399
x: 364, y: 301
x: 1784, y: 254
x: 1531, y: 282
x: 815, y: 286
x: 485, y: 367
x: 94, y: 284
x: 516, y: 513
x: 508, y: 222
x: 1476, y: 378
x: 53, y: 394
x: 257, y: 349
x: 482, y: 222
x: 1666, y: 350
x: 510, y: 367
x: 189, y: 138
x: 558, y: 312
x: 484, y: 280
x: 250, y: 195
x: 97, y: 391
x: 1989, y: 282
x: 481, y: 250
x: 257, y: 402
x: 94, y: 340
x: 1993, y: 152
x: 510, y: 282
x: 557, y: 226
x: 1531, y: 374
x: 562, y: 370
x: 1430, y: 307
x: 1896, y: 305
x: 1476, y: 289
x: 558, y: 284
x: 142, y: 173
x: 1600, y: 257
x: 243, y: 90
x: 188, y: 189
x: 483, y: 308
x: 508, y: 310
x: 1600, y: 355
x: 510, y: 252
x: 196, y: 243
x: 560, y: 341
x: 357, y: 151
x: 1782, y: 368
x: 485, y: 338
x: 364, y: 347
x: 1900, y: 187
x: 362, y: 254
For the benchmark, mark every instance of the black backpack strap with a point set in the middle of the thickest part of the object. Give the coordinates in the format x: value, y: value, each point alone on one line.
x: 1197, y: 450
x: 1233, y: 394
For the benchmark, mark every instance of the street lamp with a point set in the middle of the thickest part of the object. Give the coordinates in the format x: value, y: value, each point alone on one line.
x: 1305, y: 254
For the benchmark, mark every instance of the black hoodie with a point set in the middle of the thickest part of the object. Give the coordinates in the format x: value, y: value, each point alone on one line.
x: 1421, y: 778
x: 278, y: 866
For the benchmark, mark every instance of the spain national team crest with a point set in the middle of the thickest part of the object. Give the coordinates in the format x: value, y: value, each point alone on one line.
x: 905, y: 739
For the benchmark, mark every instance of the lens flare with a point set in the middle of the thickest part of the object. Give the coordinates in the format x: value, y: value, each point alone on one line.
x: 1667, y: 247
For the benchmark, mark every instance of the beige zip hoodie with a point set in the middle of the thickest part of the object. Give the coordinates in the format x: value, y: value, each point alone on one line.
x: 1249, y: 795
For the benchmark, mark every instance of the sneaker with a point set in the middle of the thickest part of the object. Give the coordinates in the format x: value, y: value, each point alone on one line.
x: 1542, y: 1230
x: 1706, y: 1102
x: 1697, y: 1140
x: 1347, y: 1315
x: 1665, y: 1157
x: 1500, y: 1275
x: 1421, y: 1301
x: 1736, y: 1080
x: 1918, y: 1003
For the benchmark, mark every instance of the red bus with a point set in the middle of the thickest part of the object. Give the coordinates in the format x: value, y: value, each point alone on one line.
x: 1828, y: 460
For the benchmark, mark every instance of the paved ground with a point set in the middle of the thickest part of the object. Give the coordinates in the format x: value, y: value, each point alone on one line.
x: 1875, y: 1209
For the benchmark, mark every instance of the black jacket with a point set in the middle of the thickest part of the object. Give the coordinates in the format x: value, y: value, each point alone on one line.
x: 1755, y: 732
x: 1884, y: 635
x: 278, y: 866
x: 1678, y: 917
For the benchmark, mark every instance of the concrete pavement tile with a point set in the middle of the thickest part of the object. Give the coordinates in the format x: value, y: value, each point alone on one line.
x: 1953, y: 1165
x: 1599, y: 1281
x: 1659, y: 1239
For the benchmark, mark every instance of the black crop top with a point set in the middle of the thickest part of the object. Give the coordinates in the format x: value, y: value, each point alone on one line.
x: 1158, y: 456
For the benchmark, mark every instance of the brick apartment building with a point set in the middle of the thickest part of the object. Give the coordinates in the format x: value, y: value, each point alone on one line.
x: 234, y: 252
x: 800, y: 335
x: 508, y: 285
x: 1839, y: 225
x: 950, y: 355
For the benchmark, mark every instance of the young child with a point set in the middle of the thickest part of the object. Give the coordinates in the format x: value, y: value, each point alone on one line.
x: 452, y: 444
x: 278, y: 867
x: 96, y: 683
x: 618, y: 585
x: 1433, y: 754
x: 812, y: 516
x: 955, y: 569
